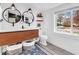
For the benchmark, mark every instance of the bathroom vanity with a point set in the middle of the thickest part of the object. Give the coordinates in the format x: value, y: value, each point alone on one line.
x: 11, y: 37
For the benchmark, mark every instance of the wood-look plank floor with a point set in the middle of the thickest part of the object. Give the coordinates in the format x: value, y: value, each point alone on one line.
x: 54, y: 50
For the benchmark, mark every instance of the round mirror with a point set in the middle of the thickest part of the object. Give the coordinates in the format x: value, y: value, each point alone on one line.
x: 11, y: 15
x: 28, y: 16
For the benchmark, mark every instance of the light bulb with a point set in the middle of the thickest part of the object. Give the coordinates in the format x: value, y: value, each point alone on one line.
x: 13, y: 7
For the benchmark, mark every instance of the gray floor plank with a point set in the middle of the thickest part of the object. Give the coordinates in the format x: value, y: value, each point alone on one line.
x: 54, y: 50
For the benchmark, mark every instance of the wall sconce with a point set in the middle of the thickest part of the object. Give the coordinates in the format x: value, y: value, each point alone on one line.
x: 29, y: 10
x: 11, y: 15
x: 28, y: 16
x: 13, y: 7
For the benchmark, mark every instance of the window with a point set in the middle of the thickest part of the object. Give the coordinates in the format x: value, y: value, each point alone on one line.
x: 67, y: 21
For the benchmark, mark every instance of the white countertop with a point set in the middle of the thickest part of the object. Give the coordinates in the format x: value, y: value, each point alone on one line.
x: 18, y: 30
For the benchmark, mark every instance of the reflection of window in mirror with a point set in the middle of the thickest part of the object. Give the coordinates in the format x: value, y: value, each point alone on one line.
x: 11, y: 17
x: 26, y: 19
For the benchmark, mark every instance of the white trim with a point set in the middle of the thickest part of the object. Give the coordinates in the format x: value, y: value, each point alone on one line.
x: 67, y: 33
x: 61, y: 30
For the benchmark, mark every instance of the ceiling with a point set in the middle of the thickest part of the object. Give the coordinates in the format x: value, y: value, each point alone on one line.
x: 38, y: 7
x: 44, y: 6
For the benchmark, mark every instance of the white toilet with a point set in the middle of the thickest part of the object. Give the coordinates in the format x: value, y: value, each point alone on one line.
x: 43, y: 39
x: 28, y: 45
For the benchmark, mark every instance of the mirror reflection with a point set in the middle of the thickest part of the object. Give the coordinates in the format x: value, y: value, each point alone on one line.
x: 28, y: 16
x: 11, y: 15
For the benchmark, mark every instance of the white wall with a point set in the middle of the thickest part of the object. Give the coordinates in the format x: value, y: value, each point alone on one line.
x: 5, y: 26
x: 0, y: 25
x: 67, y: 42
x: 0, y: 15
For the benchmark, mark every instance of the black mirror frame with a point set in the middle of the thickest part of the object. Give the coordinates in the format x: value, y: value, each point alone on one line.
x: 4, y: 17
x: 23, y: 16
